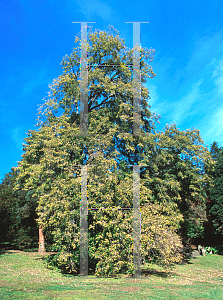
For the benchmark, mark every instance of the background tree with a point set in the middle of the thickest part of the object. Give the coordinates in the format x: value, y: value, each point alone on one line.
x: 18, y: 217
x: 176, y: 163
x: 216, y: 195
x: 215, y: 150
x: 210, y: 236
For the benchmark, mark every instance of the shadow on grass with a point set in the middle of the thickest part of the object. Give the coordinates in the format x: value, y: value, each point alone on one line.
x: 2, y: 251
x: 92, y: 270
x: 187, y: 261
x: 163, y: 274
x: 5, y: 251
x: 40, y: 258
x: 4, y: 247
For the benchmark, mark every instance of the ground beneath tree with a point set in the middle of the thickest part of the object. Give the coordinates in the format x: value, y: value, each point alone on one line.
x: 24, y: 275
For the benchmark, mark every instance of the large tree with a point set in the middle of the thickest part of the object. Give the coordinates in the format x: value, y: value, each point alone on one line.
x: 51, y: 165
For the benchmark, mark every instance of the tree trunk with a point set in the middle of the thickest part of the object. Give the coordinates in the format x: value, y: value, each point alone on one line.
x: 41, y: 241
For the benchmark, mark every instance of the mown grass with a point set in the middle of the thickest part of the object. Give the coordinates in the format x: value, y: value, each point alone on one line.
x: 25, y: 276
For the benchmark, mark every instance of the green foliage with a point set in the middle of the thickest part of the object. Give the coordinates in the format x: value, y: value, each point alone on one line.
x: 211, y: 250
x: 176, y: 164
x: 111, y: 245
x: 160, y: 241
x: 173, y: 182
x: 18, y: 225
x: 216, y: 197
x: 215, y: 150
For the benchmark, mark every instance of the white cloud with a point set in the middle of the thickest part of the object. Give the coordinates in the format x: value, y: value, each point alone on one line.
x: 153, y: 94
x: 218, y: 77
x: 214, y: 130
x: 18, y: 135
x: 176, y: 111
x: 157, y: 105
x: 185, y: 108
x: 94, y: 9
x: 33, y: 81
x: 189, y: 90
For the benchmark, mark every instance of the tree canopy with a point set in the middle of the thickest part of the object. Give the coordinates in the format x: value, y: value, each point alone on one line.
x: 173, y: 181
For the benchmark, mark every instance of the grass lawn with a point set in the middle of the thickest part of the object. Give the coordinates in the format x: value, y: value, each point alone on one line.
x: 24, y: 275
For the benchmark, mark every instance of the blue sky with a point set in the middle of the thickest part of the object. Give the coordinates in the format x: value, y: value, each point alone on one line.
x: 187, y: 36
